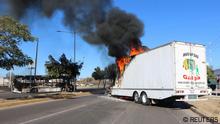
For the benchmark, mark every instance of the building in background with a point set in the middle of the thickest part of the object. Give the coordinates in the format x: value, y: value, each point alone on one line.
x: 4, y: 82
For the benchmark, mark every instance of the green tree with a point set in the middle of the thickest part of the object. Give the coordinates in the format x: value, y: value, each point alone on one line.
x: 210, y: 74
x: 111, y: 73
x: 212, y: 80
x: 12, y: 34
x: 68, y: 68
x: 53, y: 67
x: 98, y: 74
x: 63, y: 68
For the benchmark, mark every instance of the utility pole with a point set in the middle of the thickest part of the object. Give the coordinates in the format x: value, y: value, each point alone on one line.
x: 31, y: 67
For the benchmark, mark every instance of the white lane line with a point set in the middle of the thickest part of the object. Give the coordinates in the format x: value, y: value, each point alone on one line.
x: 53, y: 114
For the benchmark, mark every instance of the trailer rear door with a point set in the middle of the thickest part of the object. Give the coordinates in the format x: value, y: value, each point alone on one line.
x: 190, y: 68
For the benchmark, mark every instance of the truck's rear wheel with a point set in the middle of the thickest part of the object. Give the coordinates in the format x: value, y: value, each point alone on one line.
x: 136, y: 97
x: 144, y: 99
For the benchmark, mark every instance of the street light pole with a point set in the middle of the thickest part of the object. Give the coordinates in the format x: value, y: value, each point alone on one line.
x: 11, y: 81
x: 74, y: 33
x: 36, y: 55
x: 74, y: 51
x: 74, y: 59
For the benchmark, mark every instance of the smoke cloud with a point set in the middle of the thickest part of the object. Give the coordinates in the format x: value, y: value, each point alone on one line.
x: 95, y: 20
x: 117, y: 32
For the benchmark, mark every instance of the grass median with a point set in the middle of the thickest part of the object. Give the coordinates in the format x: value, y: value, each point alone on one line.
x: 17, y: 102
x: 40, y: 98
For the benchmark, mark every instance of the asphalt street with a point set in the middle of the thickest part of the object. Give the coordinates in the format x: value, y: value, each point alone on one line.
x: 94, y: 109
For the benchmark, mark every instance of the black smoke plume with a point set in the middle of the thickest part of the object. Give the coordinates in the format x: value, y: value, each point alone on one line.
x: 95, y: 20
x: 117, y: 32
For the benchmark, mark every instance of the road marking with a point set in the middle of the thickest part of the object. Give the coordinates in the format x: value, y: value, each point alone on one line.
x: 53, y: 114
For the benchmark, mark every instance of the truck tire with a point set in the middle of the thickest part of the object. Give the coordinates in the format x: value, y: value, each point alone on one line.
x: 144, y: 99
x: 136, y: 97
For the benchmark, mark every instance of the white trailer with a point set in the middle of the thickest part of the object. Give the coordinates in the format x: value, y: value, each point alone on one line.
x: 173, y: 71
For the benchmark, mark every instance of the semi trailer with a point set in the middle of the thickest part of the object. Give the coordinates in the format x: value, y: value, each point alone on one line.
x: 176, y: 71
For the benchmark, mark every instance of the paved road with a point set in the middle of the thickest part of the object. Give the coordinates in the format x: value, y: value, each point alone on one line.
x: 94, y: 109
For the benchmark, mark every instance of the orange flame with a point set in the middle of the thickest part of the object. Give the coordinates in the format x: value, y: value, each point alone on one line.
x: 123, y: 61
x: 136, y: 51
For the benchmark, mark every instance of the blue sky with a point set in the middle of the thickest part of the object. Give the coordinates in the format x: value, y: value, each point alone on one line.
x: 193, y: 21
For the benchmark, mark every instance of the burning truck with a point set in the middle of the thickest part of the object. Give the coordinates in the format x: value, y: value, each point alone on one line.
x: 174, y: 71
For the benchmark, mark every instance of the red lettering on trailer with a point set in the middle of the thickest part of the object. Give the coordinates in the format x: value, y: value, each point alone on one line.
x: 188, y: 77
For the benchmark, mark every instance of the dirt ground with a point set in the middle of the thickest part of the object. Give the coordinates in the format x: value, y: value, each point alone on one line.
x: 67, y: 95
x: 210, y: 106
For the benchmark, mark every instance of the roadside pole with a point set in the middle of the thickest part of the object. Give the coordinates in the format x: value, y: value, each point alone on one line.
x: 10, y: 81
x: 36, y: 55
x: 74, y: 53
x: 74, y: 59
